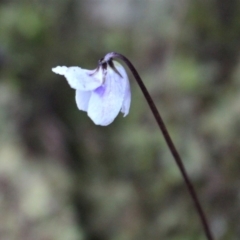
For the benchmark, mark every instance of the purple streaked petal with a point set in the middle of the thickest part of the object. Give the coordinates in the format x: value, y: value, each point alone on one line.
x: 106, y: 101
x: 82, y: 99
x: 79, y: 78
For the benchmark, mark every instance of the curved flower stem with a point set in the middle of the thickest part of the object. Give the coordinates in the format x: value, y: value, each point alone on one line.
x: 168, y: 139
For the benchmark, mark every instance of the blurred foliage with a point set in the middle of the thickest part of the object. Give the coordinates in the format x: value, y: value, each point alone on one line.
x: 62, y: 177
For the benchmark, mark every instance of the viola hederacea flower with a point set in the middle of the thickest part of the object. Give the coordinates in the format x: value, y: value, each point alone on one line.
x: 102, y: 92
x: 105, y: 91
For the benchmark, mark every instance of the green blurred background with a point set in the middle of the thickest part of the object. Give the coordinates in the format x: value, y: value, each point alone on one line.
x: 62, y: 177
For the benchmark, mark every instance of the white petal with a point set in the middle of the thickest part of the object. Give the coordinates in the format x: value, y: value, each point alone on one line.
x: 79, y: 78
x: 127, y: 95
x: 60, y: 70
x: 106, y: 101
x: 82, y: 99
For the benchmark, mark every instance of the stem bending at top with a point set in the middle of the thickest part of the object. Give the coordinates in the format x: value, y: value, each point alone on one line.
x: 167, y: 138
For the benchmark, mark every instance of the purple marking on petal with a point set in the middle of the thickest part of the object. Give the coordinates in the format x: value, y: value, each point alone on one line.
x: 100, y: 90
x: 106, y: 101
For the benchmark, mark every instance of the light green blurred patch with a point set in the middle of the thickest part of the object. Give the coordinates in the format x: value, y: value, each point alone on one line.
x: 29, y: 22
x: 186, y: 74
x: 23, y: 19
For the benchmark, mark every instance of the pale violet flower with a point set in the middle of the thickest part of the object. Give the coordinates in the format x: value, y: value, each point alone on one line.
x: 102, y: 92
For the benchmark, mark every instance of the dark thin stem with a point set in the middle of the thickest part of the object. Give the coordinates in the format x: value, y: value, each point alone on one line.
x: 168, y: 139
